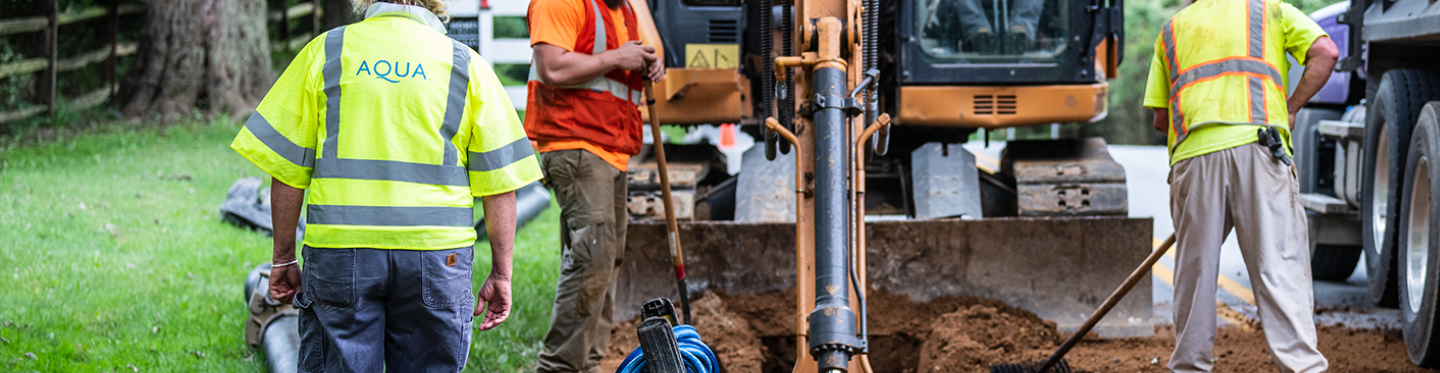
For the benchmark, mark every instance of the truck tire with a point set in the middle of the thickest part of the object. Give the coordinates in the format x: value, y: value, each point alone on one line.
x: 1333, y: 262
x: 1389, y: 119
x: 1418, y: 260
x: 1307, y: 143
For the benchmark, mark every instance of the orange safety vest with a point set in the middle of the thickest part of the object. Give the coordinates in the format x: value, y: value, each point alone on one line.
x: 604, y: 111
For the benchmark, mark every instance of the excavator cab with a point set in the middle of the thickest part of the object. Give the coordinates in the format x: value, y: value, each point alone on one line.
x: 969, y: 41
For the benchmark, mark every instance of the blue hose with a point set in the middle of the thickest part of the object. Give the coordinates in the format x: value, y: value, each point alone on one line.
x: 698, y: 357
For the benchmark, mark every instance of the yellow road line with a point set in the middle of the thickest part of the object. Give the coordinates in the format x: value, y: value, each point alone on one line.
x: 1224, y: 311
x: 987, y: 164
x: 1225, y: 282
x: 1235, y: 288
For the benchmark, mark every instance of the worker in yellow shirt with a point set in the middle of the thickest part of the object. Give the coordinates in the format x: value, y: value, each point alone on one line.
x: 1217, y: 86
x: 394, y: 130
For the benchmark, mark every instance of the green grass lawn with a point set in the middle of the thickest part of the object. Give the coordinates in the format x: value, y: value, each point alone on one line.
x: 112, y: 256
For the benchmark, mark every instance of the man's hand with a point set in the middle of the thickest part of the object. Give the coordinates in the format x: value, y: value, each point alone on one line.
x: 285, y: 283
x: 493, y: 300
x: 1162, y: 119
x: 1319, y: 62
x: 560, y: 67
x: 633, y: 56
x: 494, y: 296
x: 285, y: 202
x: 657, y: 70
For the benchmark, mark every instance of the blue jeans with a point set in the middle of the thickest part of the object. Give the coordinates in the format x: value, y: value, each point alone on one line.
x: 372, y: 310
x: 1025, y: 13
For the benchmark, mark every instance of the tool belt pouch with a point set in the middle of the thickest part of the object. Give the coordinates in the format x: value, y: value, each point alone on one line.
x: 1270, y: 138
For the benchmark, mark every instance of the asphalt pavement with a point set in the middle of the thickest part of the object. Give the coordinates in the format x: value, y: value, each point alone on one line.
x: 1146, y: 173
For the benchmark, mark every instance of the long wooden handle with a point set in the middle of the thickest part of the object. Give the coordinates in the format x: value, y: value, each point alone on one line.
x: 672, y: 230
x: 1110, y: 302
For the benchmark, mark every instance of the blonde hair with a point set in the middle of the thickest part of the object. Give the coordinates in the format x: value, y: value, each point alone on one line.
x: 435, y: 6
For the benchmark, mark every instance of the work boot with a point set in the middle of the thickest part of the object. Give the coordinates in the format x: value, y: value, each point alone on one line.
x: 982, y: 41
x: 1017, y: 40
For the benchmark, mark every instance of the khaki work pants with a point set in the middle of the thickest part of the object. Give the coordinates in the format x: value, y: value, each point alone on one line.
x: 1247, y: 189
x: 593, y: 217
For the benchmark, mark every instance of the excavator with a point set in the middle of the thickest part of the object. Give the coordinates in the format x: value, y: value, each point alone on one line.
x: 859, y: 180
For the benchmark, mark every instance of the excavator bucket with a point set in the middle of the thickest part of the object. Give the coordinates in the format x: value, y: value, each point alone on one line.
x: 1060, y: 268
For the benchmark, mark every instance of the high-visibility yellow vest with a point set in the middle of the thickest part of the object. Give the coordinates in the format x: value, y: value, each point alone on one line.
x: 393, y: 128
x: 1220, y: 68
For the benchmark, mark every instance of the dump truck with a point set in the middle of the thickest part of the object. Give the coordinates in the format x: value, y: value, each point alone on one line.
x: 1363, y: 148
x: 859, y: 182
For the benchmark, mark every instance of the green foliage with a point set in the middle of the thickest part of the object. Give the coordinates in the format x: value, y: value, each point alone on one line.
x: 113, y: 254
x: 511, y: 27
x: 512, y: 74
x: 19, y: 91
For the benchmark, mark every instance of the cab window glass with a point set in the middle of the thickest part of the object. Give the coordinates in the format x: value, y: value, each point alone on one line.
x: 991, y: 31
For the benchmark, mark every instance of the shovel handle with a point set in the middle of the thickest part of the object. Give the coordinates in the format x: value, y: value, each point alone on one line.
x: 1110, y: 302
x: 672, y: 230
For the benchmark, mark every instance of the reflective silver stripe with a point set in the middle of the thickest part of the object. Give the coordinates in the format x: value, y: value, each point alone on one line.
x: 372, y: 169
x: 1255, y: 85
x: 1168, y: 35
x: 455, y: 102
x: 600, y: 84
x: 502, y: 156
x: 334, y: 40
x: 614, y: 88
x: 1176, y: 119
x: 1257, y: 101
x: 1257, y: 29
x: 261, y: 128
x: 599, y: 28
x: 390, y: 216
x: 1213, y: 69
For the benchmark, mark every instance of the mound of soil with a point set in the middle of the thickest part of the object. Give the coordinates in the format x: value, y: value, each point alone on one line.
x: 970, y: 339
x: 1348, y: 349
x: 728, y: 334
x: 753, y: 333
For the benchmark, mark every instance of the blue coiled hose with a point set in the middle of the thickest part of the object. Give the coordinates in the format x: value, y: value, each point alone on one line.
x: 698, y: 357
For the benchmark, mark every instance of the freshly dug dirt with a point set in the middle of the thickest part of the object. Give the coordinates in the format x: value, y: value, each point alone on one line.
x: 970, y: 339
x: 751, y: 333
x: 1349, y: 350
x: 728, y: 334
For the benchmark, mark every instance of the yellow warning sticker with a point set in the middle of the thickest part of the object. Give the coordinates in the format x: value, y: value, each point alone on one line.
x: 712, y: 56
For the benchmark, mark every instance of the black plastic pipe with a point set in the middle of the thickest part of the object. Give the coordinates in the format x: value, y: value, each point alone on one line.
x: 832, y: 324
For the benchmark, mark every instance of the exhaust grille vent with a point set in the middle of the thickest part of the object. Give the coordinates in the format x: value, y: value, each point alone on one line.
x: 992, y: 105
x: 724, y: 31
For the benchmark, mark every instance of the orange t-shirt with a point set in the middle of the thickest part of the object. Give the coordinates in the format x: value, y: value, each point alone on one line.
x: 558, y: 23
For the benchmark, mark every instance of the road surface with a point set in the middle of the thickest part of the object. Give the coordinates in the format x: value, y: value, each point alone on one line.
x: 1146, y: 171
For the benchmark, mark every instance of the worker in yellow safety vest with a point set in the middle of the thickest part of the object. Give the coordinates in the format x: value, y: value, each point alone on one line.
x: 1217, y: 86
x: 393, y: 129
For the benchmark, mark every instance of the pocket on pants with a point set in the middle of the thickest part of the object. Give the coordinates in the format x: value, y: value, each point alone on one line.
x: 585, y: 230
x: 447, y: 281
x: 312, y: 340
x: 329, y: 277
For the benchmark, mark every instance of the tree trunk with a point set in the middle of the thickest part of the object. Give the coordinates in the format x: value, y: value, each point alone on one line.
x: 207, y: 55
x: 337, y: 13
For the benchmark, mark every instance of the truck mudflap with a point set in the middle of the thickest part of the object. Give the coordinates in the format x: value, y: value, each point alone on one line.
x: 1060, y: 268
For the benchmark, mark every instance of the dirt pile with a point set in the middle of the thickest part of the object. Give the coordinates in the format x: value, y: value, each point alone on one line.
x: 752, y: 333
x: 972, y: 338
x: 1349, y: 350
x: 728, y: 334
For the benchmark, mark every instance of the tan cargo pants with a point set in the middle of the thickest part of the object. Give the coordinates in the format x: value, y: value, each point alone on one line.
x: 593, y: 217
x: 1247, y: 189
